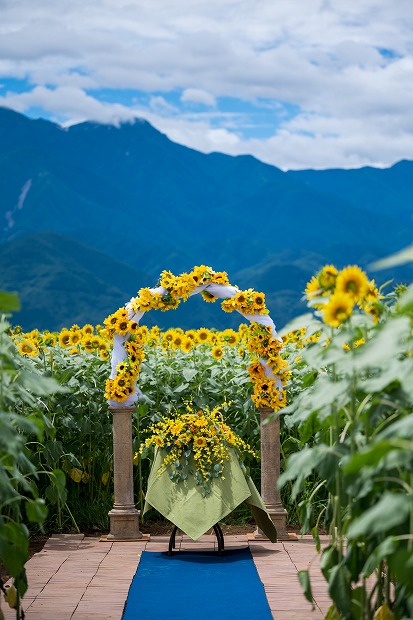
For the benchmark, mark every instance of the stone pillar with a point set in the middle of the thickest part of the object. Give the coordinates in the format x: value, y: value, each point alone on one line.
x: 124, y: 518
x: 270, y: 473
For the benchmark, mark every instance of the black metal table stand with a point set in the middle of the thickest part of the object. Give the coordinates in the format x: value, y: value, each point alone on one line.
x: 218, y: 534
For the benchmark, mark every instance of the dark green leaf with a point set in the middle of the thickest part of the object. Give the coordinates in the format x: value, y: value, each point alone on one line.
x: 36, y: 510
x: 304, y: 579
x: 391, y: 510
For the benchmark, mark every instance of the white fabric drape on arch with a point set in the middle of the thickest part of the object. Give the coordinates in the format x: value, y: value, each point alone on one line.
x: 222, y: 291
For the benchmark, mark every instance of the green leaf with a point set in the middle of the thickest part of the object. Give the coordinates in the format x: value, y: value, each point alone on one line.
x: 329, y: 559
x: 14, y: 547
x: 9, y: 302
x: 189, y: 373
x: 391, y: 510
x: 380, y: 553
x: 304, y: 579
x: 340, y: 590
x: 300, y: 466
x: 386, y: 344
x: 181, y: 387
x: 36, y: 510
x: 41, y: 385
x: 358, y: 596
x: 400, y: 428
x: 401, y: 565
x: 405, y: 301
x: 317, y: 540
x: 298, y: 323
x: 368, y: 458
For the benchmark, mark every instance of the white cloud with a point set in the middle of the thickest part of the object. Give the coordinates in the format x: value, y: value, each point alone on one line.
x: 205, y: 72
x: 196, y: 95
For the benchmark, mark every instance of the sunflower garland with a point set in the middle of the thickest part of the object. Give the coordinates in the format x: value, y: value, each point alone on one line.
x: 167, y: 295
x: 268, y: 372
x: 196, y: 444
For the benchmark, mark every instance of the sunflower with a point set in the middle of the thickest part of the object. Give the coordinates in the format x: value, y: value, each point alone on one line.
x: 230, y: 337
x: 313, y: 288
x: 256, y: 371
x: 177, y: 341
x: 187, y: 344
x: 220, y: 277
x: 208, y: 297
x: 372, y: 294
x: 88, y: 329
x: 353, y: 282
x: 122, y: 326
x: 327, y: 277
x: 228, y: 305
x: 203, y: 334
x: 87, y: 343
x: 28, y: 347
x: 338, y: 309
x: 75, y: 337
x: 217, y: 352
x: 199, y: 442
x: 64, y: 338
x: 259, y: 302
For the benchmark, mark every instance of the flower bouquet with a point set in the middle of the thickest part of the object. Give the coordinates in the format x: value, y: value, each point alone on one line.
x: 196, y: 444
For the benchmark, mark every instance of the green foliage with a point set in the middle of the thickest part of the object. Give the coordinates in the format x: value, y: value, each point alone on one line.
x: 353, y: 417
x: 21, y: 385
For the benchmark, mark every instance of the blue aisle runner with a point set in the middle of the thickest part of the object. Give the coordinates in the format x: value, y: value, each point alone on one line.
x: 197, y: 586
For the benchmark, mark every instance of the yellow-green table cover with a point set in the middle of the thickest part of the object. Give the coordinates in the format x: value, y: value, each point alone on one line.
x: 182, y: 502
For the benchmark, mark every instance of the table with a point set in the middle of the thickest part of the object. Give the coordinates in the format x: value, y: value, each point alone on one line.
x: 182, y: 502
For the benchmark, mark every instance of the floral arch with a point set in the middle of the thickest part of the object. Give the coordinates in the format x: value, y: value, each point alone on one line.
x: 268, y: 371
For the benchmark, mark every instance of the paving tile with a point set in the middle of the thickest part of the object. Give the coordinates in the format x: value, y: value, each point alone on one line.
x: 81, y: 578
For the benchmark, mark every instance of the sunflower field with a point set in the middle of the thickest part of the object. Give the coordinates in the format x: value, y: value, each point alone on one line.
x: 346, y: 428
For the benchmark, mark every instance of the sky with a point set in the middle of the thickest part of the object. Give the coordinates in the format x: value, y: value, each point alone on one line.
x: 296, y: 83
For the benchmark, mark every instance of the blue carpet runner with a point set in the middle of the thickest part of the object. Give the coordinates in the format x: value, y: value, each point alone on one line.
x: 198, y: 585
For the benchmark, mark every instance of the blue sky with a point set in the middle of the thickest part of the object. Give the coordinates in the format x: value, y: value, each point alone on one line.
x: 296, y: 83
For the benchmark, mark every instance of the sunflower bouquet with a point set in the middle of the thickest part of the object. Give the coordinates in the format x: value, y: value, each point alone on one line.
x: 196, y: 443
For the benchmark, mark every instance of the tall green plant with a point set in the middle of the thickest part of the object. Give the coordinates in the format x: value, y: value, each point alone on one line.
x: 20, y: 501
x: 354, y: 418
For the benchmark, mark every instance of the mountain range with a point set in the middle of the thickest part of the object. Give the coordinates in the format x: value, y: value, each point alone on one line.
x: 91, y: 213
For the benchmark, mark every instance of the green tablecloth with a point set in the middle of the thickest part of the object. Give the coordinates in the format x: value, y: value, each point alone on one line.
x: 182, y: 502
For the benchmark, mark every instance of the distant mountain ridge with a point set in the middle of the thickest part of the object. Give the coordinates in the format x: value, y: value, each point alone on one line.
x: 143, y: 204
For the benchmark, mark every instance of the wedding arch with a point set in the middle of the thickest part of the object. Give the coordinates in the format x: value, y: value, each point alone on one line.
x: 269, y: 376
x: 122, y: 392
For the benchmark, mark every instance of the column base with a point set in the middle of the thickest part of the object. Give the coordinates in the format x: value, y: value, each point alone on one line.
x: 124, y: 524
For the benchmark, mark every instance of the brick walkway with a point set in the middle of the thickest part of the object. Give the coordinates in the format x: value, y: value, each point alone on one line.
x: 80, y: 578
